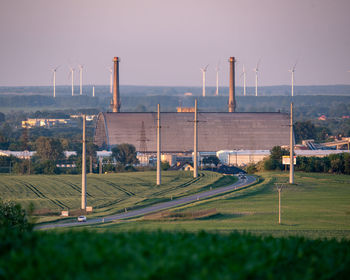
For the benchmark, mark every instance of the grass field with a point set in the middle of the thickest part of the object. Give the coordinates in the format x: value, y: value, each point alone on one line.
x: 316, y: 206
x: 107, y: 193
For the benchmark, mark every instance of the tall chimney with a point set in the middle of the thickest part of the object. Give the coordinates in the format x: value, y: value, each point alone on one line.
x: 232, y: 98
x: 116, y: 97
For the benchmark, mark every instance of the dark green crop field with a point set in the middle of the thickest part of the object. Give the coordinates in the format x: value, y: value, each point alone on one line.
x: 165, y: 255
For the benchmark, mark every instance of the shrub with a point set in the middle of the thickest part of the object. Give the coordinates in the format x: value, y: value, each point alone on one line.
x: 251, y: 168
x: 13, y: 217
x: 165, y: 165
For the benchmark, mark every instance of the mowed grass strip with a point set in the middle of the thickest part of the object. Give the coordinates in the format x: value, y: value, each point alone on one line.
x: 107, y: 193
x: 316, y: 206
x: 165, y: 255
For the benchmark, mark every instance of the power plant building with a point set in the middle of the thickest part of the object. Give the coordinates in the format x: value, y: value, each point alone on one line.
x: 216, y: 131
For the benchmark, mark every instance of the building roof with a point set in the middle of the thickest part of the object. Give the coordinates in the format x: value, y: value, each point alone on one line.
x: 216, y: 131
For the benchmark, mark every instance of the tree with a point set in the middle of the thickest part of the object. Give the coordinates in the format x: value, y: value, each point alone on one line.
x: 164, y: 165
x: 347, y: 163
x: 7, y: 130
x: 270, y: 164
x: 251, y: 168
x: 91, y: 150
x: 125, y: 154
x: 13, y: 217
x: 2, y: 117
x: 304, y: 130
x: 275, y: 160
x: 24, y: 139
x: 49, y: 149
x: 211, y: 160
x: 322, y: 133
x: 277, y: 152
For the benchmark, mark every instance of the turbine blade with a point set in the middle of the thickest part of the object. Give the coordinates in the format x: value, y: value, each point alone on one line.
x: 258, y: 64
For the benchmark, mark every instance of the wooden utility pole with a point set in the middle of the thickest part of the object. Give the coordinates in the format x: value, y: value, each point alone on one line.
x: 279, y: 189
x: 100, y: 165
x: 195, y: 151
x: 158, y: 148
x: 279, y: 206
x: 83, y: 169
x: 291, y: 148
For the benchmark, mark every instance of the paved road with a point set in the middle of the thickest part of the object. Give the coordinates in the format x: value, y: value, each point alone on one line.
x: 158, y: 207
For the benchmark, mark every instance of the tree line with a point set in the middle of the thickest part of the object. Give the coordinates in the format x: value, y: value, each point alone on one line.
x: 334, y: 163
x: 50, y: 153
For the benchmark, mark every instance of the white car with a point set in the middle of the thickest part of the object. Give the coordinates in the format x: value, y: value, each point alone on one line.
x: 81, y: 219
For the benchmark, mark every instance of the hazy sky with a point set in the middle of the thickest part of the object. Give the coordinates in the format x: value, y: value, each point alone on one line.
x: 163, y: 42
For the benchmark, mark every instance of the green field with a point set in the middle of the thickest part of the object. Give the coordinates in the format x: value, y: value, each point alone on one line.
x: 169, y: 255
x: 316, y: 206
x: 107, y: 193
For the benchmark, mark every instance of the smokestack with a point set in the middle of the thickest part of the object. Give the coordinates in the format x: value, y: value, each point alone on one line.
x: 232, y: 98
x: 116, y: 97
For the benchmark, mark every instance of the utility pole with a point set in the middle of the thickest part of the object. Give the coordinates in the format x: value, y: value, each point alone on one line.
x: 158, y: 148
x: 279, y: 189
x: 195, y: 152
x: 100, y: 165
x: 83, y: 169
x: 291, y: 148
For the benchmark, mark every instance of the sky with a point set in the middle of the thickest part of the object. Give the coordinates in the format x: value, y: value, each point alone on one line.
x: 166, y: 42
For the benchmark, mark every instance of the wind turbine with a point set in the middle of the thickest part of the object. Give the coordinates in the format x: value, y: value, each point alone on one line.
x: 256, y: 70
x: 244, y: 73
x: 54, y: 81
x: 204, y: 69
x: 292, y: 71
x: 72, y: 74
x: 93, y: 91
x: 81, y: 78
x: 111, y: 80
x: 217, y: 69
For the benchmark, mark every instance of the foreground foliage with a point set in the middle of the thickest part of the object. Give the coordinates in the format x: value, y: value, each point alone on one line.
x: 13, y: 218
x: 164, y: 255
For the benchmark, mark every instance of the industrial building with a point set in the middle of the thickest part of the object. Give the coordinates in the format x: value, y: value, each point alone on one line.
x: 40, y: 122
x: 216, y: 130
